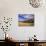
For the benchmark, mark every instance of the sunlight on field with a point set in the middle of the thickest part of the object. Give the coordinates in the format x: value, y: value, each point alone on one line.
x: 25, y: 24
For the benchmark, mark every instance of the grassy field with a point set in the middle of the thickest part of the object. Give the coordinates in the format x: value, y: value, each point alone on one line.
x: 25, y: 24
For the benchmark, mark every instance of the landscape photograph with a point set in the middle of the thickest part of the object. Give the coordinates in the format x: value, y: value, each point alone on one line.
x: 26, y: 19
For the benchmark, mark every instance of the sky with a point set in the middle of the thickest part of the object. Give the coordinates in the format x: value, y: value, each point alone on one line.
x: 23, y: 17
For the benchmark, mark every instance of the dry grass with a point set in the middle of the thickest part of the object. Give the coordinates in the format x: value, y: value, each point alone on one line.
x: 25, y: 24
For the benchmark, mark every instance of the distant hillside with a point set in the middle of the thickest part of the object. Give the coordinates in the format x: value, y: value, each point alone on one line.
x: 28, y: 21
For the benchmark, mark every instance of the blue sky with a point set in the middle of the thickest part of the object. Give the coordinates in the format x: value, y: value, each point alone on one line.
x: 23, y: 17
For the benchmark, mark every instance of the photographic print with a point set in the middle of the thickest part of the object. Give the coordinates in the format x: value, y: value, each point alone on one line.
x: 26, y: 19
